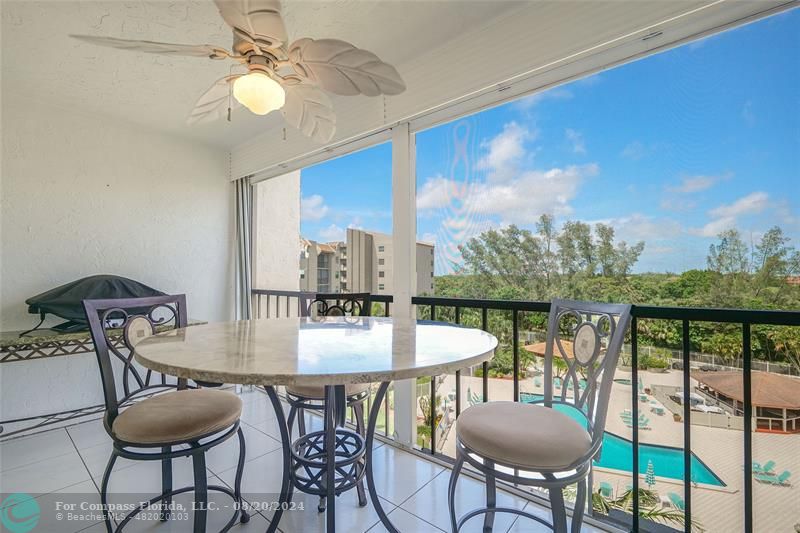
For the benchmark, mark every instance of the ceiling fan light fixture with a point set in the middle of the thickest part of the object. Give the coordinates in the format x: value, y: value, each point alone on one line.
x: 259, y: 93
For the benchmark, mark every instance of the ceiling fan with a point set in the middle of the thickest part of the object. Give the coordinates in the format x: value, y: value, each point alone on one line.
x: 289, y: 77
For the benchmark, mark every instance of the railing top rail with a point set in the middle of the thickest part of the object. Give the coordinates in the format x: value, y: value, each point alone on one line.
x: 479, y: 303
x: 711, y: 314
x: 693, y: 314
x: 279, y: 292
x: 382, y: 298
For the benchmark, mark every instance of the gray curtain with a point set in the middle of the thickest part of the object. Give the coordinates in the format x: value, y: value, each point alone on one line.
x: 244, y: 248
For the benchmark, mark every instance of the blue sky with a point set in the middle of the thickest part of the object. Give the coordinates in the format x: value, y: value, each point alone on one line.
x: 671, y: 150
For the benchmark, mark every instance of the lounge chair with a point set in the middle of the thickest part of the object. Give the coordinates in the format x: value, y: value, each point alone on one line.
x: 772, y: 479
x: 766, y: 469
x: 472, y: 398
x: 557, y: 383
x: 644, y: 422
x: 676, y: 501
x: 783, y: 479
x: 537, y: 381
x: 628, y: 416
x: 606, y: 490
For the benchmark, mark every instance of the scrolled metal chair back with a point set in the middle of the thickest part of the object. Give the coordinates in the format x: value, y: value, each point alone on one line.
x: 117, y: 326
x: 588, y: 338
x: 336, y: 304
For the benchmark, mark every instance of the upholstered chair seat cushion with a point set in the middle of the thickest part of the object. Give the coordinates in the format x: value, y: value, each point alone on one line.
x: 318, y: 392
x: 177, y: 416
x: 522, y: 435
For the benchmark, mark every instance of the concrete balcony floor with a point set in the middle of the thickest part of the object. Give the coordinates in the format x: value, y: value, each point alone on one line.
x: 71, y: 460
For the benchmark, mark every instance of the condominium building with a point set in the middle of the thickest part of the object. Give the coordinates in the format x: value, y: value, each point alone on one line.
x: 323, y: 266
x: 361, y: 264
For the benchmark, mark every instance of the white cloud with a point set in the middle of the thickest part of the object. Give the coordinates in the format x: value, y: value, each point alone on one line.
x: 505, y: 152
x: 521, y: 200
x: 724, y: 217
x: 335, y: 232
x: 429, y: 238
x: 576, y: 138
x: 332, y: 233
x: 635, y: 150
x: 715, y: 227
x: 752, y: 203
x: 533, y: 193
x: 692, y: 184
x: 639, y: 227
x: 436, y: 192
x: 313, y: 207
x: 510, y: 193
x: 680, y: 204
x: 531, y: 101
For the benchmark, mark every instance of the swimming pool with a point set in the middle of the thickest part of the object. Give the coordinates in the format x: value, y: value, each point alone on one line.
x: 617, y: 453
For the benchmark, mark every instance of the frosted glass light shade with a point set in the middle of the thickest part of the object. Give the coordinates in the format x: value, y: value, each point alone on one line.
x: 259, y: 93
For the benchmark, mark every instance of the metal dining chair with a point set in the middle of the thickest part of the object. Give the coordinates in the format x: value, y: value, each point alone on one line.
x: 301, y: 398
x: 550, y: 443
x: 156, y: 418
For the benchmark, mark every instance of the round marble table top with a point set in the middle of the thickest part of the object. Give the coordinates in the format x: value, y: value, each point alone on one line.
x: 318, y: 351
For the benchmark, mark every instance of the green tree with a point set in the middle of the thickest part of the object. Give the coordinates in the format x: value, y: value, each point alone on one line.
x: 729, y: 256
x: 504, y: 259
x: 516, y: 263
x: 773, y: 261
x: 605, y: 252
x: 576, y: 249
x: 545, y: 228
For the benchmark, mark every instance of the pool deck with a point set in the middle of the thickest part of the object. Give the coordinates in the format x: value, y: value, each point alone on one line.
x: 722, y: 450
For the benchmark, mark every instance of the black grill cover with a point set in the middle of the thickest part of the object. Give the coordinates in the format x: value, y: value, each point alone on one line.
x: 65, y: 301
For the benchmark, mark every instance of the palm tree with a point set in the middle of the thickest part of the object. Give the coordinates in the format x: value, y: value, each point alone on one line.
x: 649, y: 506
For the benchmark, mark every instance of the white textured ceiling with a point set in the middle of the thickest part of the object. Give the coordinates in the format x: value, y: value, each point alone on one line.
x: 42, y: 62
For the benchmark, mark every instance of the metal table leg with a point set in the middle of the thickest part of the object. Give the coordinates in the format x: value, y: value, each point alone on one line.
x: 373, y: 420
x: 285, y: 498
x: 334, y: 417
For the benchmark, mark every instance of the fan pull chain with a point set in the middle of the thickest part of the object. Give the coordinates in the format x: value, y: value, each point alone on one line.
x: 230, y: 91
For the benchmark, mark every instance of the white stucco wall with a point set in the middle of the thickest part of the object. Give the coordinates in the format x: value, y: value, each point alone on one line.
x: 83, y: 195
x: 276, y: 235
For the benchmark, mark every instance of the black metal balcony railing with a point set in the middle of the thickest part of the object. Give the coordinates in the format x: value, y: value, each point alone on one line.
x: 746, y: 318
x: 287, y: 303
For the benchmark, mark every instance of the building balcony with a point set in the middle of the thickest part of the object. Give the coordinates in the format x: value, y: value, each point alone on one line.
x: 648, y: 423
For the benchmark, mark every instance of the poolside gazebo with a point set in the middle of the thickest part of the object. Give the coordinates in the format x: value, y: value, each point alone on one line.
x: 540, y: 347
x: 775, y: 397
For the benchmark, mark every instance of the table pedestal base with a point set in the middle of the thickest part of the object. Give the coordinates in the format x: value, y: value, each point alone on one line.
x: 309, y: 461
x: 336, y: 453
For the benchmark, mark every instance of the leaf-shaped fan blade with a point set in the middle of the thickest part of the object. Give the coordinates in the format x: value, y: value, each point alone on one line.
x: 213, y: 104
x: 310, y: 110
x: 341, y: 68
x: 260, y: 19
x: 194, y: 50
